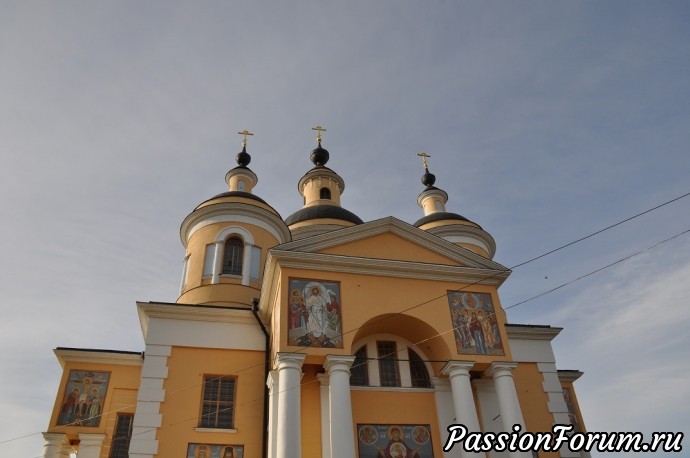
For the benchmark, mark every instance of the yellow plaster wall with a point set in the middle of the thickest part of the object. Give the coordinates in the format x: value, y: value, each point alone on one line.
x: 227, y: 292
x: 429, y: 205
x: 397, y: 407
x: 533, y: 400
x: 124, y: 401
x: 312, y: 192
x: 389, y: 246
x: 196, y: 248
x: 372, y: 305
x: 310, y: 404
x: 182, y: 406
x: 120, y: 396
x: 233, y: 183
x: 475, y: 249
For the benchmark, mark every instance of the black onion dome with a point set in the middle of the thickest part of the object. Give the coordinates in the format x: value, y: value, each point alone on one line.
x: 438, y: 216
x: 428, y: 179
x: 322, y: 211
x: 319, y: 156
x: 243, y: 158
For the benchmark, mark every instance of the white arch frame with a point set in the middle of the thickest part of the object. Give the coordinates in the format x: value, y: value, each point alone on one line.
x: 221, y: 237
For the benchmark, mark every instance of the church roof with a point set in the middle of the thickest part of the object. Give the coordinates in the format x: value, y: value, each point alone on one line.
x: 438, y: 216
x: 248, y: 195
x: 322, y: 211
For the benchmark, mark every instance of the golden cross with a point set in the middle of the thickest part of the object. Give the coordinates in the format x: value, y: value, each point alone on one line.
x: 319, y: 129
x: 424, y: 156
x: 245, y: 132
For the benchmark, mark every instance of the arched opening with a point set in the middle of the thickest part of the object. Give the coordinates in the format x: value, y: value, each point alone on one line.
x: 386, y: 360
x: 325, y: 193
x: 419, y: 375
x: 359, y: 372
x: 233, y: 253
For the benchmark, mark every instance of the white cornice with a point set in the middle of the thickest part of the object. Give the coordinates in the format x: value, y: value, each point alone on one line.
x: 69, y: 355
x: 532, y: 332
x: 434, y: 192
x: 388, y: 267
x: 569, y: 376
x: 320, y: 173
x: 234, y: 212
x: 397, y: 227
x: 191, y: 312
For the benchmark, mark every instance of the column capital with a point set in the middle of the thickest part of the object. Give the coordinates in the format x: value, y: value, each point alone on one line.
x: 55, y: 438
x: 336, y: 363
x: 272, y: 380
x: 323, y: 379
x: 453, y: 368
x: 501, y: 368
x: 285, y: 360
x: 440, y: 384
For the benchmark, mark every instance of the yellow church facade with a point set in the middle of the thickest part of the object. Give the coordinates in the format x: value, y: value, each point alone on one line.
x: 317, y: 335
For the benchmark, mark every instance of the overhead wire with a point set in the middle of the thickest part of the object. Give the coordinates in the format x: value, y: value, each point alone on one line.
x: 403, y: 311
x: 416, y: 344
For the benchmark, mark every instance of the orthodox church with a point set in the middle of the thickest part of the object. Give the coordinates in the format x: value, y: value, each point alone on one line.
x: 317, y: 335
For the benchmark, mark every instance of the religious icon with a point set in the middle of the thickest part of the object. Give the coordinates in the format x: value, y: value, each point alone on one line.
x: 394, y: 441
x: 214, y: 451
x: 474, y: 323
x: 82, y: 403
x: 314, y: 314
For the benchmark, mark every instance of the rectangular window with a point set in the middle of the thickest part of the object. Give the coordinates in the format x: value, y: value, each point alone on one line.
x: 388, y: 363
x: 123, y: 433
x: 255, y: 265
x: 208, y: 259
x: 218, y: 402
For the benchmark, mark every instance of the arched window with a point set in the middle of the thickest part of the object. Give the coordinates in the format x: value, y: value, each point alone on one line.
x: 387, y: 360
x: 359, y: 372
x: 325, y: 193
x: 232, y: 256
x: 388, y: 363
x: 418, y: 373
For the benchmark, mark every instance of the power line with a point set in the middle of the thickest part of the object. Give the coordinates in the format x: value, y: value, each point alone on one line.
x: 403, y: 311
x: 453, y: 329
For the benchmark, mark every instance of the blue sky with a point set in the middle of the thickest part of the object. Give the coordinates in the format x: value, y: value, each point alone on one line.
x: 545, y: 121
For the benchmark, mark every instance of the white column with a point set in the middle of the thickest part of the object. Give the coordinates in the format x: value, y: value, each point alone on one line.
x: 458, y: 373
x: 90, y: 445
x: 342, y: 430
x: 508, y: 404
x: 289, y: 436
x: 272, y: 383
x: 325, y: 416
x: 56, y: 445
x: 445, y: 411
x: 217, y: 262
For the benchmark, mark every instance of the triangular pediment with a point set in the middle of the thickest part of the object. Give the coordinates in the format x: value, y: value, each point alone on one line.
x: 390, y: 239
